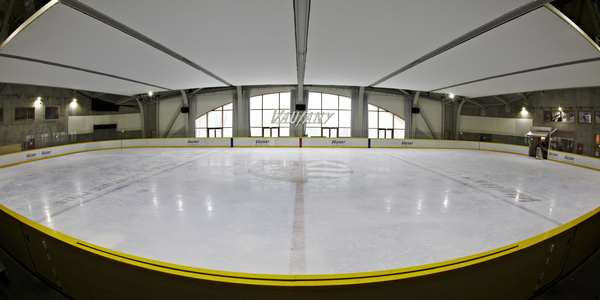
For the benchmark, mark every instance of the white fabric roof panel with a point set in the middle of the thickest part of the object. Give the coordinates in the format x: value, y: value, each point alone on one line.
x: 17, y: 71
x: 572, y: 76
x: 243, y: 42
x: 360, y: 42
x: 65, y: 36
x: 531, y: 46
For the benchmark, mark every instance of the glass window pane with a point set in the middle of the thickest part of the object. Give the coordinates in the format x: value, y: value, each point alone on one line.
x: 228, y: 106
x: 271, y: 101
x: 330, y: 101
x: 284, y: 132
x: 201, y: 133
x: 372, y: 133
x: 284, y: 100
x: 275, y: 132
x: 398, y: 134
x: 333, y: 116
x: 256, y: 102
x: 373, y: 107
x: 228, y: 118
x: 344, y: 132
x: 325, y: 132
x: 267, y: 132
x: 256, y: 118
x: 312, y: 118
x: 211, y: 133
x: 256, y: 131
x: 215, y: 119
x: 345, y: 103
x: 314, y: 101
x: 201, y: 122
x: 381, y: 133
x: 333, y: 133
x: 218, y: 132
x: 267, y: 117
x: 373, y: 119
x: 398, y: 123
x: 385, y: 120
x: 227, y: 132
x: 312, y: 132
x: 345, y: 119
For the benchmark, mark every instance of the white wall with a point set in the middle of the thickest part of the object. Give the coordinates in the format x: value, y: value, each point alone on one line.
x: 502, y: 126
x: 433, y: 111
x: 390, y: 102
x: 85, y: 124
x: 208, y: 102
x: 167, y: 109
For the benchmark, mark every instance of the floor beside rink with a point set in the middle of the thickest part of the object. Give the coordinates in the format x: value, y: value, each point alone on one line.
x: 299, y: 210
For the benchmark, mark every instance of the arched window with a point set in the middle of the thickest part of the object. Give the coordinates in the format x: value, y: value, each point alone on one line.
x: 334, y: 115
x: 216, y: 123
x: 384, y: 124
x: 264, y: 109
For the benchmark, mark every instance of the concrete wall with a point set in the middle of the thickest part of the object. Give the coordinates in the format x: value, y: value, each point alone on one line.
x: 54, y: 132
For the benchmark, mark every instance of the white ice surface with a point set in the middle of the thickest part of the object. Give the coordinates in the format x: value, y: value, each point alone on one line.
x: 344, y: 210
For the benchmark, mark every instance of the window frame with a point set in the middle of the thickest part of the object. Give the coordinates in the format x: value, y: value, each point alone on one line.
x: 322, y: 128
x: 214, y: 129
x: 385, y: 130
x: 26, y: 114
x: 262, y: 109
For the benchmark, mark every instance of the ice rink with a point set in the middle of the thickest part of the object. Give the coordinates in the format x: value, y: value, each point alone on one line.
x: 299, y: 210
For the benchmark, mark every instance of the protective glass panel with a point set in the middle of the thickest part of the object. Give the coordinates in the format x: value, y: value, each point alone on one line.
x: 310, y: 114
x: 267, y: 117
x: 345, y: 103
x: 215, y: 119
x: 311, y: 132
x: 333, y: 116
x: 344, y: 132
x: 227, y: 132
x: 255, y: 131
x: 256, y: 118
x: 373, y: 107
x: 345, y: 119
x: 267, y: 132
x: 314, y: 101
x: 385, y: 120
x: 284, y: 100
x: 256, y: 102
x: 284, y: 132
x: 201, y: 133
x: 228, y: 106
x: 372, y: 133
x: 201, y: 122
x: 227, y: 119
x: 330, y: 101
x: 398, y: 123
x: 271, y: 101
x: 275, y: 132
x: 398, y: 134
x: 333, y: 132
x: 373, y: 119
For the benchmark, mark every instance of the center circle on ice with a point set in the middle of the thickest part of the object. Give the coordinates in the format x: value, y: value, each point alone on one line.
x: 294, y: 171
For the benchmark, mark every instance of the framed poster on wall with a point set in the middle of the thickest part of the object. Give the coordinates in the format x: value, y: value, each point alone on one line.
x: 585, y: 117
x: 568, y: 116
x: 556, y: 116
x: 547, y: 115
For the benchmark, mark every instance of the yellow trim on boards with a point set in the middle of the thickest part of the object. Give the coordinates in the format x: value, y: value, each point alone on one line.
x: 297, y: 280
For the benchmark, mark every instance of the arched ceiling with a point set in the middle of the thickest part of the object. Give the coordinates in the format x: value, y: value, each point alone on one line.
x: 472, y: 48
